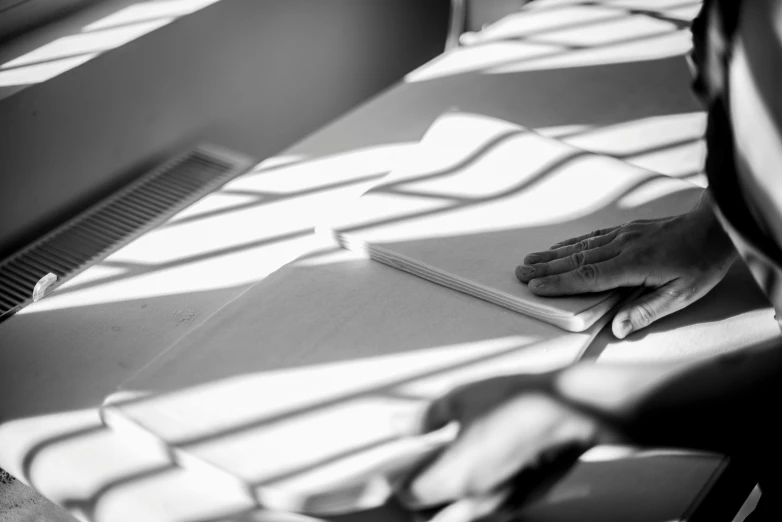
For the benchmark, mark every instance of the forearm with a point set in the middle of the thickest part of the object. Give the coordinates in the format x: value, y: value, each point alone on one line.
x: 727, y: 403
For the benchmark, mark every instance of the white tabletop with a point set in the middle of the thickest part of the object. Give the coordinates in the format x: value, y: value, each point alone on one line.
x: 605, y: 78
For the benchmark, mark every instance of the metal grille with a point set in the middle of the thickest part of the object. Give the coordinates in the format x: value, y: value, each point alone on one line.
x: 116, y: 221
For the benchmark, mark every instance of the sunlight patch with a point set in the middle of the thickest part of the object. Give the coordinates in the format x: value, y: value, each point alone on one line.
x: 650, y: 191
x: 110, y: 32
x: 144, y: 11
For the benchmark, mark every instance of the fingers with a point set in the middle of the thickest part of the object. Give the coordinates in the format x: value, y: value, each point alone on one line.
x: 570, y: 258
x: 495, y: 448
x: 597, y: 277
x: 652, y: 306
x: 566, y: 250
x: 594, y: 233
x: 479, y: 461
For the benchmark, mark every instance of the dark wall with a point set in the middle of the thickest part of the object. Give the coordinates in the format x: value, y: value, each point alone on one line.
x: 254, y: 75
x: 483, y: 12
x: 17, y: 16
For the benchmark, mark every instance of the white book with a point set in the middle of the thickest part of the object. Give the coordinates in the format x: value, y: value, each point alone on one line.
x: 480, y: 194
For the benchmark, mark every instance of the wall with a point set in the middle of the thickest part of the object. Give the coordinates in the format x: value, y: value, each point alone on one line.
x: 17, y: 16
x: 248, y: 74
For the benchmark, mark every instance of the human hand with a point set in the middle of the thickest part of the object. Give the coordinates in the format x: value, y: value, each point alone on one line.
x: 515, y: 440
x: 680, y: 259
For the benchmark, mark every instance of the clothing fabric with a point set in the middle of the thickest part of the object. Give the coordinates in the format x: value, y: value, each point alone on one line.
x: 714, y: 31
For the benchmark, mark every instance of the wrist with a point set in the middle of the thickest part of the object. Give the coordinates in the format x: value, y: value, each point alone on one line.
x: 612, y: 393
x: 706, y: 223
x: 592, y: 387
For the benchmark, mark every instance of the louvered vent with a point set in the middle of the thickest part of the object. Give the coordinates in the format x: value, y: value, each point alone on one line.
x: 115, y: 221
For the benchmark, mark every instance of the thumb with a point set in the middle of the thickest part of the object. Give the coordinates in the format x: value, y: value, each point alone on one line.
x: 650, y: 307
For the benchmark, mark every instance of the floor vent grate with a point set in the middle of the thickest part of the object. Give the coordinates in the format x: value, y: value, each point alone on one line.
x: 115, y: 221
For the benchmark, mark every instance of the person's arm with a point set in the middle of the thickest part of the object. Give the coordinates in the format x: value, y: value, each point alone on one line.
x: 519, y: 423
x: 727, y: 403
x: 679, y: 259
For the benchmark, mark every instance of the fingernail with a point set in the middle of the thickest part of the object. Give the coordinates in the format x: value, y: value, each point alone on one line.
x: 532, y: 259
x: 526, y: 270
x: 537, y: 283
x: 625, y: 327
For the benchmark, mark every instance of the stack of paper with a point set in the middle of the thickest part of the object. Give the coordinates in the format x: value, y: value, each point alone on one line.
x: 299, y: 391
x: 302, y: 388
x: 482, y: 193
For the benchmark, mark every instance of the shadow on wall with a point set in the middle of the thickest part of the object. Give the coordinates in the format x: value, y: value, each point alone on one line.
x: 281, y: 71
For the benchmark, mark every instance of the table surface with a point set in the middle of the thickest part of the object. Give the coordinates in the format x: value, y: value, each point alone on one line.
x: 609, y: 77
